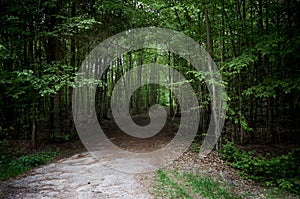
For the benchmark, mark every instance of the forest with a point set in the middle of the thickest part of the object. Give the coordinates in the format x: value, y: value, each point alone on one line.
x: 255, y: 45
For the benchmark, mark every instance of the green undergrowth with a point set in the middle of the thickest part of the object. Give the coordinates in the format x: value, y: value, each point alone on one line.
x: 281, y: 171
x: 12, y: 165
x: 171, y: 184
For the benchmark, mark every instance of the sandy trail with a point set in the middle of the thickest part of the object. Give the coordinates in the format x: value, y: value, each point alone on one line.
x: 79, y: 176
x: 83, y: 176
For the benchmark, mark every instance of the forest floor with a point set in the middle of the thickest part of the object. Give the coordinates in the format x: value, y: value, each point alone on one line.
x: 82, y: 176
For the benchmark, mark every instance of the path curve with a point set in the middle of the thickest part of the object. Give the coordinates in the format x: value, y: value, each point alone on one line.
x: 80, y: 176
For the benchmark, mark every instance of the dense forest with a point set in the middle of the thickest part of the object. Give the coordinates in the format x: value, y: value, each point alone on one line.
x: 255, y: 45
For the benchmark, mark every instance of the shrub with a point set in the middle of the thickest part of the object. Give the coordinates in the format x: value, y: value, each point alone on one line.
x: 282, y: 171
x: 14, y: 167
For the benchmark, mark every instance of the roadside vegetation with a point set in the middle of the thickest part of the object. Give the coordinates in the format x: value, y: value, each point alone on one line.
x: 171, y: 184
x: 282, y: 171
x: 277, y: 176
x: 17, y: 160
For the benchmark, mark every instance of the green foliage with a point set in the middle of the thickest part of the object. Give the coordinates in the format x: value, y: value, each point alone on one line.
x: 237, y: 64
x: 4, y: 53
x: 256, y: 47
x: 63, y: 137
x: 55, y: 77
x: 4, y: 153
x: 270, y: 87
x: 169, y: 187
x: 73, y: 26
x: 237, y: 118
x: 33, y: 160
x: 208, y: 187
x: 195, y: 147
x: 12, y: 167
x: 282, y: 171
x: 171, y: 184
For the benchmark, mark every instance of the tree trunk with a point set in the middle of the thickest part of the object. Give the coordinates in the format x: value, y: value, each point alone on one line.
x: 214, y: 112
x: 139, y: 82
x: 54, y: 52
x: 153, y: 86
x: 170, y: 83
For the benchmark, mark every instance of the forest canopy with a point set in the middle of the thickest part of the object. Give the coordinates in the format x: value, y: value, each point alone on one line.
x: 255, y: 45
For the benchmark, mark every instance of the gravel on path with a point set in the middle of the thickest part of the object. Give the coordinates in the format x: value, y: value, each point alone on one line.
x: 80, y: 176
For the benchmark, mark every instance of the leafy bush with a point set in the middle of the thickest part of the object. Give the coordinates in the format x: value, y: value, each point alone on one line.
x: 4, y: 153
x: 14, y: 167
x: 282, y: 171
x: 63, y: 137
x: 34, y: 160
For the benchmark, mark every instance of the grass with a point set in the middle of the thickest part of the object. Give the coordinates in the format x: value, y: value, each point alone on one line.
x: 18, y: 157
x: 14, y: 166
x: 171, y: 184
x: 169, y: 187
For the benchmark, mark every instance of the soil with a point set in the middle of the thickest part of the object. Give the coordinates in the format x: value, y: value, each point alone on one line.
x: 82, y: 176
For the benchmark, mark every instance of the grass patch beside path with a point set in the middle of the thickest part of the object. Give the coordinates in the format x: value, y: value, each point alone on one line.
x: 17, y: 157
x: 171, y: 184
x: 11, y: 167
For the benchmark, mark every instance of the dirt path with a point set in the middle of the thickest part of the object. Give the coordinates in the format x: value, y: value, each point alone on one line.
x: 79, y: 176
x: 82, y: 176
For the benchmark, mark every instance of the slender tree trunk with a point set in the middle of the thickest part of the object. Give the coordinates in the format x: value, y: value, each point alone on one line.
x: 54, y: 54
x: 170, y: 83
x: 208, y: 39
x: 240, y: 108
x: 223, y: 32
x: 139, y: 82
x: 33, y: 134
x: 129, y: 77
x: 153, y: 86
x: 213, y: 88
x: 73, y: 64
